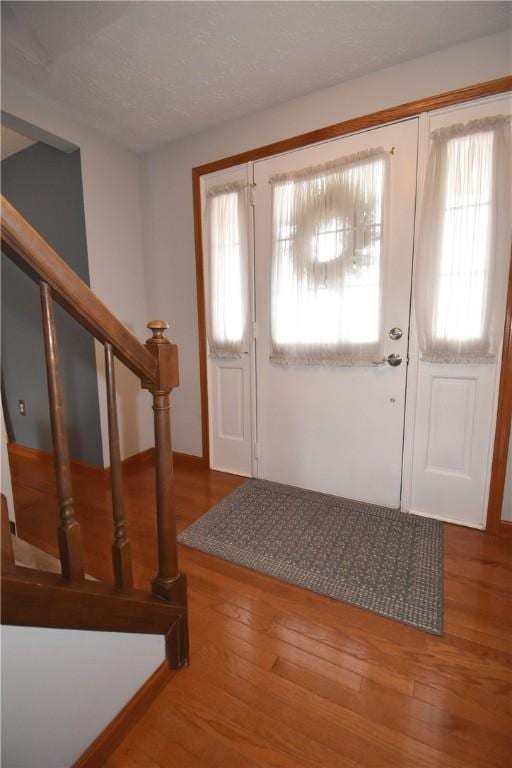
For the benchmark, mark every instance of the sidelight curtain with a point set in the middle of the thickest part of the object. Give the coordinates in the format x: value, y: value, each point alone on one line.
x: 464, y: 243
x: 226, y: 227
x: 328, y: 262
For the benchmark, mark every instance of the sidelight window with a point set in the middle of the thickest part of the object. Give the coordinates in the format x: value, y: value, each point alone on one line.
x: 226, y: 218
x: 464, y: 242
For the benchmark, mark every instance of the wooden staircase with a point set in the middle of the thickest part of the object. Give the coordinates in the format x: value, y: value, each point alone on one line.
x: 67, y: 600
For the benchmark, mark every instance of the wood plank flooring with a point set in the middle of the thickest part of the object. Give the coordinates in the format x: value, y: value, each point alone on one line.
x: 283, y: 677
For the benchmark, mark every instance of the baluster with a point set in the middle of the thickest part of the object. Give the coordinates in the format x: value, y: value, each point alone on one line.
x: 169, y: 582
x: 121, y: 550
x: 70, y: 546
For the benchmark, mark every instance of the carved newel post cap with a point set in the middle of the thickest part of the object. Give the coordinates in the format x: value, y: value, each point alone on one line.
x: 158, y: 328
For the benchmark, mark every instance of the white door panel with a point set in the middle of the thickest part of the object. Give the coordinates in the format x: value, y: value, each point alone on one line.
x: 229, y: 379
x: 453, y: 441
x: 230, y: 388
x: 230, y: 416
x: 310, y: 448
x: 452, y: 408
x: 339, y: 429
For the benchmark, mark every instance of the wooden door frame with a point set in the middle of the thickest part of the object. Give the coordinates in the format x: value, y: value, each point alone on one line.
x: 503, y: 422
x: 372, y: 120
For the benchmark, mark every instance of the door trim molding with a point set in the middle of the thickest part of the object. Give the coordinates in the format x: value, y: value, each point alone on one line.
x: 371, y: 120
x: 502, y: 436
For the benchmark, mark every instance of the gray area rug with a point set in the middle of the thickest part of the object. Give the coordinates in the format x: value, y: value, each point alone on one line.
x: 381, y: 559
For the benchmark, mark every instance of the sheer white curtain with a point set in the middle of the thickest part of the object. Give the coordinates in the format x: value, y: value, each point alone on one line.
x: 327, y: 262
x: 226, y: 228
x: 464, y: 246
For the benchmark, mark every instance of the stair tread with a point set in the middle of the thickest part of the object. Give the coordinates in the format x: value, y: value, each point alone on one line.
x: 30, y: 556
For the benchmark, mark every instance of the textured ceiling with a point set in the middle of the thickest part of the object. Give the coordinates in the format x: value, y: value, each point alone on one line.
x: 149, y: 72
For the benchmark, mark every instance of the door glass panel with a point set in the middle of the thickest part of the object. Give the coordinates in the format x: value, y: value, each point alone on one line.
x: 327, y: 262
x: 226, y: 214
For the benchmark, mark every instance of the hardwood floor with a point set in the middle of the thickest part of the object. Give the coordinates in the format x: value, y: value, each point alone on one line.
x: 283, y: 677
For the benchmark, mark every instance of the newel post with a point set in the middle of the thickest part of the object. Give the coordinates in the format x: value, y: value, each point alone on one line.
x: 169, y: 582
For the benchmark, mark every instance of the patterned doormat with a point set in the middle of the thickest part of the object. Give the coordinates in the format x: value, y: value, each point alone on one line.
x: 381, y: 559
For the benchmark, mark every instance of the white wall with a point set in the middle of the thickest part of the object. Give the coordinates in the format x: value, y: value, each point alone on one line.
x: 167, y: 189
x: 110, y: 177
x: 61, y: 688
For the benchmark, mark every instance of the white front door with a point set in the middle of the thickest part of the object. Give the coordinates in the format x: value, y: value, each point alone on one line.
x: 330, y: 428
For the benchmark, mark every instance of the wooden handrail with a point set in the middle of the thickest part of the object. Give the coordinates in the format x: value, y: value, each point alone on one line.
x: 156, y: 364
x: 25, y: 246
x: 32, y: 598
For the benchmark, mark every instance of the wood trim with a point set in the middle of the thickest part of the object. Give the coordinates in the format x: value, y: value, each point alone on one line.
x: 505, y: 528
x: 382, y: 117
x: 187, y: 461
x: 35, y: 454
x: 201, y: 313
x: 39, y: 260
x: 32, y: 598
x: 139, y: 458
x: 503, y: 421
x: 136, y: 461
x: 46, y: 457
x: 102, y: 747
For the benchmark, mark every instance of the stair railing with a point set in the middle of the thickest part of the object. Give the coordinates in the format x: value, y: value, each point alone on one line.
x: 155, y: 364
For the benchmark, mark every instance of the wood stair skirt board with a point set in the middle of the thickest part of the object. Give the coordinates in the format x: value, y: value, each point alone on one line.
x: 39, y: 599
x: 130, y: 463
x: 103, y: 746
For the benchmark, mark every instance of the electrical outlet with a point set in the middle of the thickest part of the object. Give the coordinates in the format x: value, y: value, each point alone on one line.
x: 22, y: 408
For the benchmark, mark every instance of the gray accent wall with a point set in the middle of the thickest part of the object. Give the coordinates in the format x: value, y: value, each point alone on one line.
x: 45, y: 185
